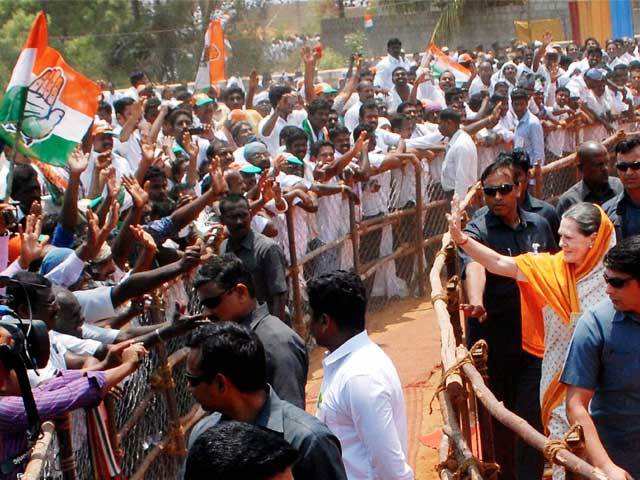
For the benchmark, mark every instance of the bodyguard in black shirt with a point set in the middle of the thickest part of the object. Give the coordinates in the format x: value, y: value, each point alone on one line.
x: 493, y: 312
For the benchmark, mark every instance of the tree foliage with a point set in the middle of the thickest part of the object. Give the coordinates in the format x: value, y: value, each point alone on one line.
x: 108, y: 39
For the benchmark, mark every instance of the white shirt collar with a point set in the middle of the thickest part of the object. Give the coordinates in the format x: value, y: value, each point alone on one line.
x: 354, y: 343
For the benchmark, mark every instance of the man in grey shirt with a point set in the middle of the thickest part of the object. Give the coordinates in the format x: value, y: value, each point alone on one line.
x: 262, y: 256
x: 225, y: 289
x: 226, y: 374
x: 596, y: 185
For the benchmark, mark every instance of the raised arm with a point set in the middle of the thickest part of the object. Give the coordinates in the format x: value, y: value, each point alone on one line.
x: 309, y: 71
x: 132, y: 122
x: 488, y: 258
x: 253, y: 87
x: 78, y: 163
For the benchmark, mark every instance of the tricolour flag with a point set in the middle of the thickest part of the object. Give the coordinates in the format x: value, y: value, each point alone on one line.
x: 442, y: 62
x: 211, y: 69
x: 368, y: 21
x: 50, y: 103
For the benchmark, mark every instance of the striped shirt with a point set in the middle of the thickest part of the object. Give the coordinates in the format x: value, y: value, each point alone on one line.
x: 70, y: 390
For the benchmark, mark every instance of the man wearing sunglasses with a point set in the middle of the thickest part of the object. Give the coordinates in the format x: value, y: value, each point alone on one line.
x: 602, y: 370
x: 624, y: 209
x: 596, y: 185
x: 227, y: 374
x: 226, y: 291
x: 493, y: 311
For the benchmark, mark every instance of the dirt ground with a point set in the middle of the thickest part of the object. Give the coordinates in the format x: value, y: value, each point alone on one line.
x: 408, y: 333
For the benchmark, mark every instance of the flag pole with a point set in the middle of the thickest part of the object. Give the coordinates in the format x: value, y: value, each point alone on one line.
x: 12, y: 160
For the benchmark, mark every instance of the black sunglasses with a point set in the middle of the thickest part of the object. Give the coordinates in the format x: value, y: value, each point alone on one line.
x: 504, y: 189
x: 195, y: 380
x: 213, y: 302
x: 616, y: 282
x: 624, y: 166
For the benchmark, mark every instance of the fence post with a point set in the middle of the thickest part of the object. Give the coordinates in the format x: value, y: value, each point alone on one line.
x: 163, y: 379
x: 67, y: 457
x: 422, y: 285
x: 537, y: 174
x: 294, y: 275
x: 479, y: 353
x: 355, y: 236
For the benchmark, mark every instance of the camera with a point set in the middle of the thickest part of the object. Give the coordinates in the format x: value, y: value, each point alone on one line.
x: 30, y: 343
x: 196, y: 130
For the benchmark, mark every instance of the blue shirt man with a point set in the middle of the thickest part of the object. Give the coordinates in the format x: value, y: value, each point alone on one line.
x: 602, y: 369
x: 528, y: 134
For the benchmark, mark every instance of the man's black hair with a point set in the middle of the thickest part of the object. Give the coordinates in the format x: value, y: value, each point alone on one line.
x: 215, y: 146
x: 450, y: 114
x: 105, y: 107
x: 342, y: 296
x: 496, y: 97
x: 232, y: 199
x: 364, y: 127
x: 521, y: 159
x: 154, y: 172
x: 317, y: 105
x: 295, y: 135
x: 475, y: 100
x: 227, y: 92
x: 625, y: 146
x: 563, y: 89
x: 173, y: 116
x: 396, y: 69
x: 404, y: 105
x: 393, y: 41
x: 136, y: 77
x: 367, y: 105
x: 624, y: 257
x: 314, y: 151
x: 276, y: 92
x: 121, y: 104
x: 519, y: 94
x: 240, y: 451
x: 338, y: 130
x: 152, y: 104
x: 451, y: 94
x: 226, y: 271
x: 397, y: 121
x: 503, y: 162
x: 234, y: 351
x: 28, y: 293
x: 288, y: 131
x: 594, y: 51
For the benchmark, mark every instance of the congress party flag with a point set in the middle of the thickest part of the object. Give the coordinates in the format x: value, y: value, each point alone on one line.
x: 211, y: 69
x: 48, y: 106
x: 442, y: 62
x: 368, y: 21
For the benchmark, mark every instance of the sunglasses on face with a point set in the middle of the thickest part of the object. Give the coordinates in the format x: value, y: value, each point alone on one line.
x: 195, y: 380
x: 624, y: 166
x: 504, y: 189
x: 213, y: 302
x: 616, y: 282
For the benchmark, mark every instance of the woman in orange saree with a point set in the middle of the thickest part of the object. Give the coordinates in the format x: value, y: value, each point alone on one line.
x: 554, y: 289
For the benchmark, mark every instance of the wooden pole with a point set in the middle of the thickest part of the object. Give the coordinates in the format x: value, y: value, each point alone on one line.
x: 33, y: 470
x: 518, y: 425
x: 67, y: 457
x: 422, y: 285
x: 355, y: 236
x: 294, y: 275
x: 480, y: 358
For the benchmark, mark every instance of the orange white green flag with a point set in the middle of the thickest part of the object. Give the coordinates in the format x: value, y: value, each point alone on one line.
x: 50, y: 104
x: 443, y: 62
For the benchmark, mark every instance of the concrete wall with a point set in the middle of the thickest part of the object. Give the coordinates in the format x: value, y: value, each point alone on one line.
x: 480, y: 25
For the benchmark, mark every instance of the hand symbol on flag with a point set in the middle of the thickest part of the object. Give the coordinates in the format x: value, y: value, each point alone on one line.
x: 40, y: 116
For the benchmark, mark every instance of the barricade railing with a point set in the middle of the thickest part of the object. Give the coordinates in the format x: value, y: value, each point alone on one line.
x: 150, y: 417
x: 467, y: 405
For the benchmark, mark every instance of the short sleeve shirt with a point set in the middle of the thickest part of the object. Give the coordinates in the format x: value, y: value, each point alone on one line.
x: 96, y: 304
x: 265, y: 260
x: 604, y: 357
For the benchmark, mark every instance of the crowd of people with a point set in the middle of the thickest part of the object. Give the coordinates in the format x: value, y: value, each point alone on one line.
x: 172, y: 187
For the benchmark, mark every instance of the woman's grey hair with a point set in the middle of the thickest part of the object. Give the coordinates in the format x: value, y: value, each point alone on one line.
x: 586, y: 215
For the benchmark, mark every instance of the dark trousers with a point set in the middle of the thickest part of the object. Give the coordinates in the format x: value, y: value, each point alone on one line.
x: 515, y: 380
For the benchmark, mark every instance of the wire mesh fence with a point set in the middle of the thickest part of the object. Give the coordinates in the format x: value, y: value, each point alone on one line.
x: 390, y: 237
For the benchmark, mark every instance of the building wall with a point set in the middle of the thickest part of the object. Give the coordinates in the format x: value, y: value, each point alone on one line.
x: 481, y: 24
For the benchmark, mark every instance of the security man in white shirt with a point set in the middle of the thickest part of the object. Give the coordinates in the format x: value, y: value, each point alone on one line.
x: 361, y: 398
x: 460, y: 166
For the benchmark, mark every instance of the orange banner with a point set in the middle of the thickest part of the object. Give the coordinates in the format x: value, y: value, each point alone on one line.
x: 216, y: 52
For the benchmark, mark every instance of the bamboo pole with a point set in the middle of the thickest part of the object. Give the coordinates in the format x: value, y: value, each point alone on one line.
x: 525, y: 431
x: 294, y: 275
x: 33, y: 470
x: 67, y: 456
x: 354, y: 236
x: 422, y: 286
x: 480, y: 358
